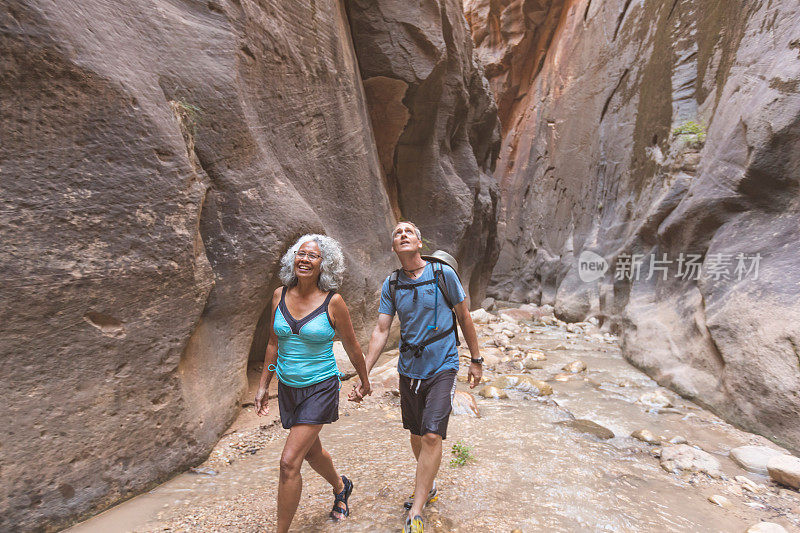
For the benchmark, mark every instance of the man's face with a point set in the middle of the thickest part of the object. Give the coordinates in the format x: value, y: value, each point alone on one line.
x: 404, y: 238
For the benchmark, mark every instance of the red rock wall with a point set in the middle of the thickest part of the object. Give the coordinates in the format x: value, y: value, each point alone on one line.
x: 593, y: 160
x: 157, y: 159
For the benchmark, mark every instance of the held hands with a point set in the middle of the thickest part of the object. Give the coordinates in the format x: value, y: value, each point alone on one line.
x: 475, y: 374
x: 359, y: 391
x: 262, y: 402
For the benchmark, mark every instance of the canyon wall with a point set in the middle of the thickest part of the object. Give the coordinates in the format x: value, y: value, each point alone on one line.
x: 649, y: 176
x: 157, y: 160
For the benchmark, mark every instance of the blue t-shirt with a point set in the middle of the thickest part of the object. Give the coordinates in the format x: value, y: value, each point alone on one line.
x: 415, y: 317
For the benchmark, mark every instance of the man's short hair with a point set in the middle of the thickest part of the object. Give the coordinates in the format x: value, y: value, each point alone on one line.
x: 416, y: 229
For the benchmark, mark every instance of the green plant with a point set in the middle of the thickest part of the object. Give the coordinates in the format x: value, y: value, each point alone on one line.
x: 188, y: 114
x: 462, y: 453
x: 690, y: 131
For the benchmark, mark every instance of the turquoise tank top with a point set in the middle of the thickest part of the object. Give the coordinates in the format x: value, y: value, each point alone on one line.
x: 305, y: 346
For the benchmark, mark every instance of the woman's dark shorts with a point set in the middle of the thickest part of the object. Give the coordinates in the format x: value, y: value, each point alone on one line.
x: 315, y: 404
x: 426, y: 403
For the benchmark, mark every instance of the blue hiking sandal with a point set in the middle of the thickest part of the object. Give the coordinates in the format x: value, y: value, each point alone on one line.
x: 337, y: 513
x: 414, y: 525
x: 432, y: 497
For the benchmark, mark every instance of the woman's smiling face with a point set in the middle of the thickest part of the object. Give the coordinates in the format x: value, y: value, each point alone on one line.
x: 307, y: 261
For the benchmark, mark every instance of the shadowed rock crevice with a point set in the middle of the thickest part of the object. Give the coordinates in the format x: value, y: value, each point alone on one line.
x: 437, y: 130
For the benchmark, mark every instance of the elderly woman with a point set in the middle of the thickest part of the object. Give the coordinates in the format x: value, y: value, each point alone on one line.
x: 306, y: 313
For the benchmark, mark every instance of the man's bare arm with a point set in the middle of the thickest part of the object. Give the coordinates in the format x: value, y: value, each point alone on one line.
x: 378, y: 340
x: 471, y: 336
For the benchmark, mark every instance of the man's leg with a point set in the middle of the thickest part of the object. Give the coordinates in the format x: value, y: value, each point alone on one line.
x: 416, y: 445
x: 290, y: 484
x: 428, y: 461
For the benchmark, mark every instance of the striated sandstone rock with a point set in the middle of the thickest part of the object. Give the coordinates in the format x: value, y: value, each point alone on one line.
x: 593, y: 97
x: 157, y: 159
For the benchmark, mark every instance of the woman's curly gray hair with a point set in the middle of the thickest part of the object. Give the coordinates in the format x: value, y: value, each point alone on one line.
x: 332, y: 267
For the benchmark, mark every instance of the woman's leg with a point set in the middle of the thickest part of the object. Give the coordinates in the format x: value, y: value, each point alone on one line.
x: 301, y: 438
x: 320, y: 460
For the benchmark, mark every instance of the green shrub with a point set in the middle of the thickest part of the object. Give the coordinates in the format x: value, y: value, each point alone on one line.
x: 691, y: 132
x: 462, y: 453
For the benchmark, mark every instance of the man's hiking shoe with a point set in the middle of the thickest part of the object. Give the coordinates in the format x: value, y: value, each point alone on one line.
x: 413, y: 526
x: 432, y: 497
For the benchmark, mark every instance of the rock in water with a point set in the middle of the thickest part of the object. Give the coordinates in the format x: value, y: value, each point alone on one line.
x: 754, y: 458
x: 575, y: 367
x: 588, y: 426
x: 500, y: 340
x: 785, y: 469
x: 750, y: 485
x: 493, y: 392
x: 722, y: 501
x: 464, y: 404
x: 684, y: 458
x: 766, y: 527
x: 645, y: 435
x: 532, y: 363
x: 523, y: 383
x: 655, y: 399
x: 537, y: 355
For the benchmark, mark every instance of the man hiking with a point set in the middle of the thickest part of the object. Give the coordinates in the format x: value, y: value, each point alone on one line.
x: 423, y: 294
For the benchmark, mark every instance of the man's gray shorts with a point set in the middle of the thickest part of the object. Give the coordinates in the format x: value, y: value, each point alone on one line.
x: 426, y: 403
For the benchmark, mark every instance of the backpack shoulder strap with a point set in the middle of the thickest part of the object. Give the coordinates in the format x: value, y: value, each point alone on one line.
x: 440, y: 282
x: 393, y: 286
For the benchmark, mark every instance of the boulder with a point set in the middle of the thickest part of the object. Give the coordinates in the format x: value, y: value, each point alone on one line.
x: 750, y: 485
x: 532, y: 363
x: 754, y: 458
x: 523, y: 383
x: 645, y: 435
x: 720, y: 500
x: 481, y: 316
x: 785, y: 469
x: 684, y: 458
x: 490, y: 391
x: 505, y: 316
x: 464, y: 404
x: 537, y: 355
x: 574, y: 367
x: 488, y: 304
x: 655, y: 399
